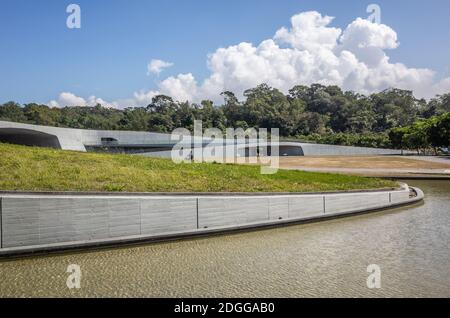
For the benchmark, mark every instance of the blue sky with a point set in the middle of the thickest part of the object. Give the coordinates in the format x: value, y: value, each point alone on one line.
x: 40, y: 57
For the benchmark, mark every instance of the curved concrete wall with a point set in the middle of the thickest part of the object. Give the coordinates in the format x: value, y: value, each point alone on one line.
x: 38, y: 222
x: 307, y: 149
x: 28, y: 138
x: 333, y: 150
x: 69, y: 139
x: 79, y: 139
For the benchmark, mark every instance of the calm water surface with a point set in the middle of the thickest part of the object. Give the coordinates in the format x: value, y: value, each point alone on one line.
x: 411, y: 245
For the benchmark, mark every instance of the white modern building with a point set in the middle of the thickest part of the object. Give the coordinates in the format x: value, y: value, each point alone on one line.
x: 156, y: 144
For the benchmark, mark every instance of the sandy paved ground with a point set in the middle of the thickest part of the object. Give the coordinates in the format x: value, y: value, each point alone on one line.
x: 371, y: 162
x: 441, y: 159
x: 386, y: 166
x: 376, y: 166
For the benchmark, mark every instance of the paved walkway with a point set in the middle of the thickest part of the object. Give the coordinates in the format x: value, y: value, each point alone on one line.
x: 440, y: 159
x: 397, y: 173
x: 392, y: 166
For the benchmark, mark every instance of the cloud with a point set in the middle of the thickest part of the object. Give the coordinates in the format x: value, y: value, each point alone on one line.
x: 183, y: 86
x: 309, y: 31
x: 363, y: 33
x: 309, y: 51
x: 70, y: 99
x: 157, y: 66
x: 143, y: 98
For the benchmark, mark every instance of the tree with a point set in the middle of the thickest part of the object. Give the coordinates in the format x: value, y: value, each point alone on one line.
x: 416, y: 138
x: 267, y: 107
x: 162, y: 104
x: 396, y: 136
x: 184, y: 116
x: 135, y: 119
x: 210, y: 115
x: 160, y: 123
x: 41, y: 114
x: 394, y: 108
x: 12, y: 111
x: 232, y: 108
x: 162, y: 114
x: 437, y: 106
x: 439, y: 131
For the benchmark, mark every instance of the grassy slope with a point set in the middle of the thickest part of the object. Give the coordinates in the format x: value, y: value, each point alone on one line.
x: 39, y: 169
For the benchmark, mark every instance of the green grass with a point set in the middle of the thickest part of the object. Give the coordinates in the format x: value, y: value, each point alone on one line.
x: 43, y: 169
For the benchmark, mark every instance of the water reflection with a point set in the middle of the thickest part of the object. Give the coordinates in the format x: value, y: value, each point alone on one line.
x: 411, y: 245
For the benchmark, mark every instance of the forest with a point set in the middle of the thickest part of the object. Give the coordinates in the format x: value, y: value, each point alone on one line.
x: 316, y: 113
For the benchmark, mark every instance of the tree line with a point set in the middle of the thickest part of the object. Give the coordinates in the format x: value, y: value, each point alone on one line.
x: 316, y: 113
x: 424, y: 135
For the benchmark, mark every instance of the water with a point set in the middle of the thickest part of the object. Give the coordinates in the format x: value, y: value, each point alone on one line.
x: 326, y: 259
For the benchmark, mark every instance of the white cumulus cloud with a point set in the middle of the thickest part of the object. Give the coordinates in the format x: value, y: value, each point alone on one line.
x: 70, y: 99
x: 309, y: 51
x: 157, y: 66
x: 309, y: 31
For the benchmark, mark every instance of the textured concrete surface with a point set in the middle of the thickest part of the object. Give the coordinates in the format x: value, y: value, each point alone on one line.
x: 168, y: 215
x: 332, y: 150
x: 341, y: 203
x: 45, y: 221
x: 305, y: 206
x: 222, y: 211
x: 79, y: 139
x: 38, y: 220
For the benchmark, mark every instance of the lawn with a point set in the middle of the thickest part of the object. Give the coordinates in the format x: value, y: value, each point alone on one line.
x: 44, y: 169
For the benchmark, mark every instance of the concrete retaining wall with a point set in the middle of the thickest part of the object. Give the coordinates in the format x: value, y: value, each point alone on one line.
x: 37, y: 222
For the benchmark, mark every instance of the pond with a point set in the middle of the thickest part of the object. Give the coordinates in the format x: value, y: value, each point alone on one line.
x: 411, y: 246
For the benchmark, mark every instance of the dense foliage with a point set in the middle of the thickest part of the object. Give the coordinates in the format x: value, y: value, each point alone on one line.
x: 316, y: 113
x: 423, y: 135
